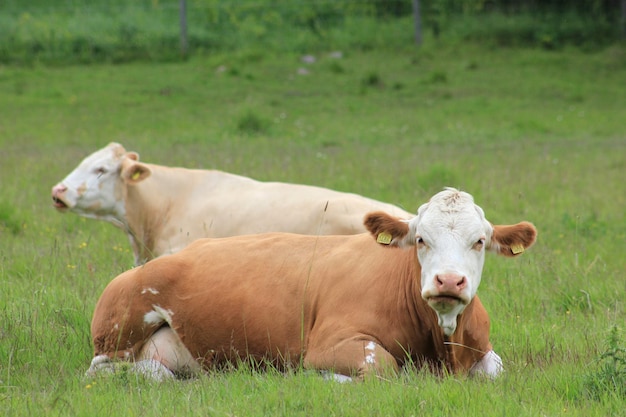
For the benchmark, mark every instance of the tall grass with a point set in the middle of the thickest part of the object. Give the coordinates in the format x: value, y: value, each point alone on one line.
x: 534, y: 135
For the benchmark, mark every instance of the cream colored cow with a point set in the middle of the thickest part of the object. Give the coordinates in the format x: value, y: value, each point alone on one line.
x: 163, y: 209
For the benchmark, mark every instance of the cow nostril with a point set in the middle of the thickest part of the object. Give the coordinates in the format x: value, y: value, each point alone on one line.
x: 438, y: 280
x: 461, y: 283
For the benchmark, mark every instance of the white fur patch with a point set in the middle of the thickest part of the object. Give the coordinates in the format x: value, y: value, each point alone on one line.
x: 490, y: 365
x: 150, y: 290
x: 370, y: 358
x: 158, y: 315
x: 153, y: 369
x: 342, y: 379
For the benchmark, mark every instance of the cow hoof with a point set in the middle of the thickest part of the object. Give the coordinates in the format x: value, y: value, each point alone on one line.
x: 100, y: 364
x: 149, y: 368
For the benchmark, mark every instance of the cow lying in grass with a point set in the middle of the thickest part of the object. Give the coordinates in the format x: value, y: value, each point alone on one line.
x: 163, y: 209
x: 354, y: 305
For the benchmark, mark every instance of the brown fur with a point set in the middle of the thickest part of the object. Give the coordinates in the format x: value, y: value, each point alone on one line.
x: 290, y: 299
x: 506, y: 236
x: 379, y: 222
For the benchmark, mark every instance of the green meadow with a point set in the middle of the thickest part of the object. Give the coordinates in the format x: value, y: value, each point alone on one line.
x: 533, y: 134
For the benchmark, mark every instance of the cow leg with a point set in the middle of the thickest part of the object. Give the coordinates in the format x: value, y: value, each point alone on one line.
x: 100, y: 364
x: 163, y: 356
x: 165, y: 353
x: 359, y: 358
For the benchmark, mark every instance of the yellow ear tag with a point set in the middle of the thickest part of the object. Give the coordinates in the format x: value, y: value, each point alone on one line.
x: 136, y: 175
x: 384, y: 238
x: 517, y: 248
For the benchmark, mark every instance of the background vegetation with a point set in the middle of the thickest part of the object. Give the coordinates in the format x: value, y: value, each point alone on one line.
x: 532, y: 133
x: 88, y: 31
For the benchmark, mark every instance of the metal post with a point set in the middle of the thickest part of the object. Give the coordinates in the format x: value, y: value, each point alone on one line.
x: 418, y: 22
x: 623, y: 3
x: 183, y: 28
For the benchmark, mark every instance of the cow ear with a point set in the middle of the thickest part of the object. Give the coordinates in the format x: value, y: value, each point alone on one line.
x: 388, y: 230
x: 133, y: 155
x: 134, y: 172
x: 512, y: 240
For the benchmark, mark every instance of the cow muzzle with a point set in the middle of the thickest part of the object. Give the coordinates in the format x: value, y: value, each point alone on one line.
x: 447, y: 292
x: 58, y: 194
x: 448, y: 295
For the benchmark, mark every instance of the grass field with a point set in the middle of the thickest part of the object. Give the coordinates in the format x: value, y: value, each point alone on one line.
x: 533, y: 135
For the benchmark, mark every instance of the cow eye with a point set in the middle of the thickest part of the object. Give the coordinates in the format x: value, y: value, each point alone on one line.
x: 101, y: 171
x: 420, y: 241
x: 479, y: 244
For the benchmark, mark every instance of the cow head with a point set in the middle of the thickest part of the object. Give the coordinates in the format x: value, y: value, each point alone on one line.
x: 451, y: 235
x: 94, y: 189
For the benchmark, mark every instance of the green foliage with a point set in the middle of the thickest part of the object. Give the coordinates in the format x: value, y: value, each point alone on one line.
x: 546, y: 30
x: 251, y: 123
x: 336, y: 67
x: 372, y: 79
x: 432, y: 180
x: 8, y: 219
x: 437, y: 77
x: 91, y: 31
x: 610, y: 376
x: 590, y: 226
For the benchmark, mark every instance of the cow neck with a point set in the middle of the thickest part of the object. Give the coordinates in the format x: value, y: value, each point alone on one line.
x: 147, y: 210
x: 413, y: 290
x: 449, y: 358
x: 445, y: 347
x: 425, y: 339
x: 470, y: 341
x: 444, y: 353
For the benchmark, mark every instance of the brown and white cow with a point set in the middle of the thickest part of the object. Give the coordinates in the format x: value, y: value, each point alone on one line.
x: 354, y: 305
x: 163, y: 209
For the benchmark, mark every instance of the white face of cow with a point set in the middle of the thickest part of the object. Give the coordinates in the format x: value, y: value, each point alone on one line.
x: 451, y: 235
x: 94, y: 188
